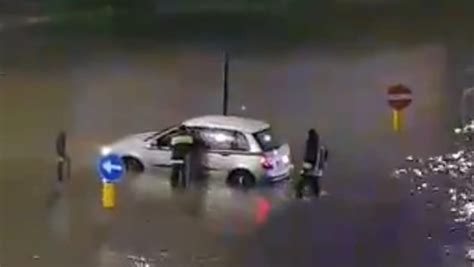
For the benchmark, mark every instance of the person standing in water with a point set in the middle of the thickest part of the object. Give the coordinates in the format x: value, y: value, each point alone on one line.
x: 315, y: 157
x: 63, y: 160
x: 181, y: 146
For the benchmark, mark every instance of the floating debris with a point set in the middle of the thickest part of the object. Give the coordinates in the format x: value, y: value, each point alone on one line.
x: 140, y: 261
x: 399, y: 172
x: 457, y: 168
x: 430, y: 204
x: 447, y: 250
x: 470, y: 254
x: 469, y: 209
x: 454, y: 198
x: 164, y: 253
x: 36, y: 257
x: 418, y: 172
x: 457, y: 155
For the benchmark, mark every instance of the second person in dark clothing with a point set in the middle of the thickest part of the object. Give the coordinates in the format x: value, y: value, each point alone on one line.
x: 63, y: 160
x: 312, y: 165
x: 181, y: 146
x: 197, y: 160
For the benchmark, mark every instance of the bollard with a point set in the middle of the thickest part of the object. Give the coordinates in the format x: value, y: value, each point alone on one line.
x: 108, y: 195
x: 110, y: 168
x: 396, y: 120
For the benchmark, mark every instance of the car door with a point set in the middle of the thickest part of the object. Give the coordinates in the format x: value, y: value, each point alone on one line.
x: 222, y: 148
x: 158, y: 149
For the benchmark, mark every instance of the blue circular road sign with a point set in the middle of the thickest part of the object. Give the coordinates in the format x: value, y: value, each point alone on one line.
x: 111, y: 168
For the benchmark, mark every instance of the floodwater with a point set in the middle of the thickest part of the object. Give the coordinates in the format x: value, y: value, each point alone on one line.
x: 99, y: 89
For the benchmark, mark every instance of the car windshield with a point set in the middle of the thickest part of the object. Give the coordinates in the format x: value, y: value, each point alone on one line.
x: 159, y: 133
x: 267, y: 140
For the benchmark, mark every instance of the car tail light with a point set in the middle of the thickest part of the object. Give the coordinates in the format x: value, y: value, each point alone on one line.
x: 266, y: 163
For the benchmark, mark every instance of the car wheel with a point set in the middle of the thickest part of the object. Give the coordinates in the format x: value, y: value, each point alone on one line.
x: 133, y: 165
x: 241, y: 178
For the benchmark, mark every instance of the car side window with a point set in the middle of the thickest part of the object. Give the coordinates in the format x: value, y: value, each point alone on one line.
x: 240, y: 142
x: 216, y: 139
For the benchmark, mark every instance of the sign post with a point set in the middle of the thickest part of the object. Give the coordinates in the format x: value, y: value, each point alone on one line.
x: 396, y: 120
x: 225, y: 100
x: 399, y: 98
x: 110, y: 169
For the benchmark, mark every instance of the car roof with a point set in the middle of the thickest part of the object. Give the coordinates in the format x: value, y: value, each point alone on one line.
x: 233, y: 123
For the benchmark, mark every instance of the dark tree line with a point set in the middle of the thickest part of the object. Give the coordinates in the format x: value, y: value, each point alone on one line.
x: 75, y: 5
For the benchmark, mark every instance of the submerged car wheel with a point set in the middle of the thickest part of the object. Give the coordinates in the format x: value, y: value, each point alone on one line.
x: 241, y: 178
x: 133, y: 165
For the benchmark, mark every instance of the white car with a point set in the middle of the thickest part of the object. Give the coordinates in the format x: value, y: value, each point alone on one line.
x: 244, y: 150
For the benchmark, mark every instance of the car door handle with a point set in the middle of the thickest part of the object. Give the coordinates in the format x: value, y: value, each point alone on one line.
x: 225, y: 154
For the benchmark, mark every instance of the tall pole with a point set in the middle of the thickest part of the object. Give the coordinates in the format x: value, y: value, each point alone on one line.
x: 225, y: 100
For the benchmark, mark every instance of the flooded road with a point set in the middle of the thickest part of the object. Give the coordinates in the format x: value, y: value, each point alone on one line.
x: 99, y: 89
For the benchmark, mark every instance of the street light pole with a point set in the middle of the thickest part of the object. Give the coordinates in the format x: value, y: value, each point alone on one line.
x: 225, y: 100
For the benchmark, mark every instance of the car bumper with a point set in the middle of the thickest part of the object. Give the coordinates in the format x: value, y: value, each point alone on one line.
x: 266, y: 179
x: 278, y: 177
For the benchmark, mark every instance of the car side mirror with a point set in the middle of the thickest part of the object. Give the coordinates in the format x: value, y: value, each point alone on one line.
x: 150, y: 145
x: 153, y: 144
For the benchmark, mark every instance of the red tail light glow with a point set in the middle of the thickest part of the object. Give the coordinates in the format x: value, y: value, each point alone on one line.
x: 266, y: 163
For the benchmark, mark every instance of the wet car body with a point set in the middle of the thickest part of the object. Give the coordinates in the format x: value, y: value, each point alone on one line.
x: 242, y: 150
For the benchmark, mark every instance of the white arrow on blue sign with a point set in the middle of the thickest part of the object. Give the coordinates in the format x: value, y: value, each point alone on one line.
x: 111, y: 168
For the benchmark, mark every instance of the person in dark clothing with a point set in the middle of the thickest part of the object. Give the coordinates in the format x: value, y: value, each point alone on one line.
x: 181, y: 145
x: 312, y: 147
x: 313, y: 163
x: 63, y: 158
x: 197, y: 160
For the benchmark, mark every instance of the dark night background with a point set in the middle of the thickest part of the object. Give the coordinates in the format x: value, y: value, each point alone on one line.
x: 104, y: 69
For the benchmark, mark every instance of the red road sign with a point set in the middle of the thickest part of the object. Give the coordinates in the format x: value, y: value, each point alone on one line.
x: 399, y: 97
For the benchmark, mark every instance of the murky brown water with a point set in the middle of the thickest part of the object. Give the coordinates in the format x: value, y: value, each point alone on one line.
x: 99, y: 90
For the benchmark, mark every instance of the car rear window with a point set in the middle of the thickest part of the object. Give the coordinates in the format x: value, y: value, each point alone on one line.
x: 267, y: 140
